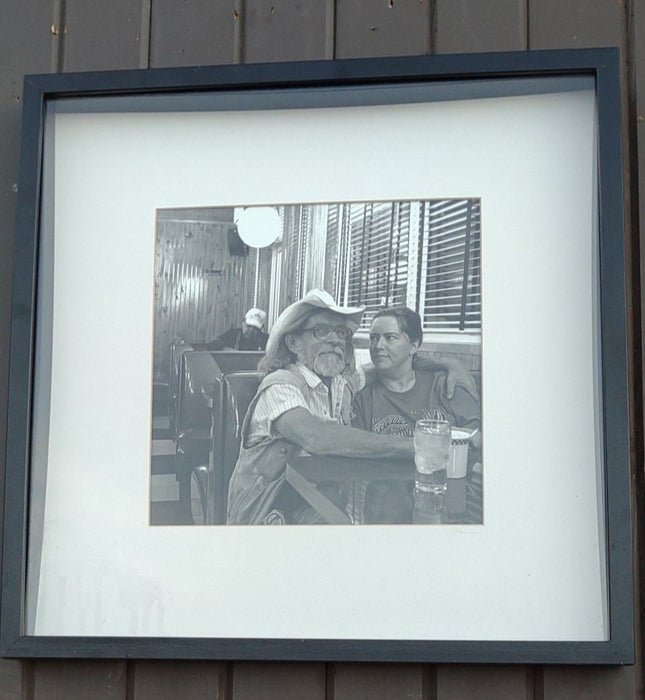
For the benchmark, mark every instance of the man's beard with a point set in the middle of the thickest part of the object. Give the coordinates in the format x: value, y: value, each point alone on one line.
x: 326, y: 364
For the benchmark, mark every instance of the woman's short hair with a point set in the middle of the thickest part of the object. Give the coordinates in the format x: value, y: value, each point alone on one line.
x: 409, y: 321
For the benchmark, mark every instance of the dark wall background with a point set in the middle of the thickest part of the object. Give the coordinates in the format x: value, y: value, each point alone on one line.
x: 76, y: 35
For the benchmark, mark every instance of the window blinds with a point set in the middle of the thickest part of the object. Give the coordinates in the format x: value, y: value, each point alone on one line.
x: 433, y: 267
x: 451, y: 287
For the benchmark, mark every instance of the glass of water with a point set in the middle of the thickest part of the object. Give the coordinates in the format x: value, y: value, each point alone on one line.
x: 432, y: 438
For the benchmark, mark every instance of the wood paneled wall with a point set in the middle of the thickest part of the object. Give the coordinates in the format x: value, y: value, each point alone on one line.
x: 201, y: 288
x: 76, y: 35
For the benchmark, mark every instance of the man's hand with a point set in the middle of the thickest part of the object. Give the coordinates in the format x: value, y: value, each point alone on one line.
x: 456, y: 373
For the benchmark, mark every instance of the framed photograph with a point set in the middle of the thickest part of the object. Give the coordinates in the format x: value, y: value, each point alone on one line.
x: 377, y: 304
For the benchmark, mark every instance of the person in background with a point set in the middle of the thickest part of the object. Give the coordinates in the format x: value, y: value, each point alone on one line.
x: 302, y: 406
x: 249, y: 336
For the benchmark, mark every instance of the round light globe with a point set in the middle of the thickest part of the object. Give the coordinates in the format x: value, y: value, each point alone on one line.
x: 259, y: 227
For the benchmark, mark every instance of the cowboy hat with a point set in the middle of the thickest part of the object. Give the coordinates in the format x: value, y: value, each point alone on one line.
x: 316, y: 299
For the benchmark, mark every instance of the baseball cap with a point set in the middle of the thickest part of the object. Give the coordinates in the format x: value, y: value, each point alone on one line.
x: 255, y: 317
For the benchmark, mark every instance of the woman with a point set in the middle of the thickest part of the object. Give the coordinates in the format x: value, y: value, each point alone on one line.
x: 394, y: 401
x: 399, y: 395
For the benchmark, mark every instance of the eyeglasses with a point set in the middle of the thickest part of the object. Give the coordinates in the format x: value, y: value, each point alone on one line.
x: 322, y: 331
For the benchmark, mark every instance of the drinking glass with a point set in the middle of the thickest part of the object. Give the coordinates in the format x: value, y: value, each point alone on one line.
x: 432, y: 439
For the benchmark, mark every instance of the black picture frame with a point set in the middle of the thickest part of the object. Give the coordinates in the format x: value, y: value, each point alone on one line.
x: 478, y: 75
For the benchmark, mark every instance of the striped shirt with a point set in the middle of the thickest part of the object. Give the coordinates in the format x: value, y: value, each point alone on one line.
x: 320, y: 401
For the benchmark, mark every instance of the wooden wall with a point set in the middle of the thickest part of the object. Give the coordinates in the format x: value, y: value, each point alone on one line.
x: 77, y: 35
x: 202, y: 288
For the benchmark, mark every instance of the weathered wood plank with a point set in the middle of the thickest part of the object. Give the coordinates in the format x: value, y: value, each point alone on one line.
x: 570, y: 24
x: 578, y: 683
x: 469, y: 26
x: 13, y: 686
x: 377, y: 681
x: 636, y: 23
x: 635, y: 161
x: 637, y: 131
x: 484, y: 682
x: 257, y: 681
x: 284, y: 30
x: 164, y: 680
x: 102, y: 36
x: 27, y: 45
x: 80, y: 680
x: 383, y: 28
x: 194, y: 32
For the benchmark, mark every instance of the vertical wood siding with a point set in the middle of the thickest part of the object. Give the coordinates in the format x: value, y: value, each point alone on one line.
x: 44, y: 35
x: 383, y: 28
x: 96, y: 37
x: 636, y: 130
x: 18, y: 55
x: 157, y: 680
x: 469, y: 26
x: 201, y: 290
x: 200, y: 32
x: 284, y: 30
x: 570, y: 24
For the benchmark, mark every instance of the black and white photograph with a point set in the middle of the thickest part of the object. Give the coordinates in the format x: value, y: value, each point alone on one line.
x: 371, y: 268
x: 318, y: 364
x: 376, y: 304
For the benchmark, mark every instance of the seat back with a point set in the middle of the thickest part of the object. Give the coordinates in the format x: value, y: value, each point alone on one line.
x: 197, y: 374
x: 237, y: 360
x: 231, y: 399
x: 177, y: 349
x: 197, y: 369
x: 216, y: 454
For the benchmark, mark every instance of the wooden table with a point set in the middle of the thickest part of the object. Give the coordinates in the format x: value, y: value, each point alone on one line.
x: 308, y: 474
